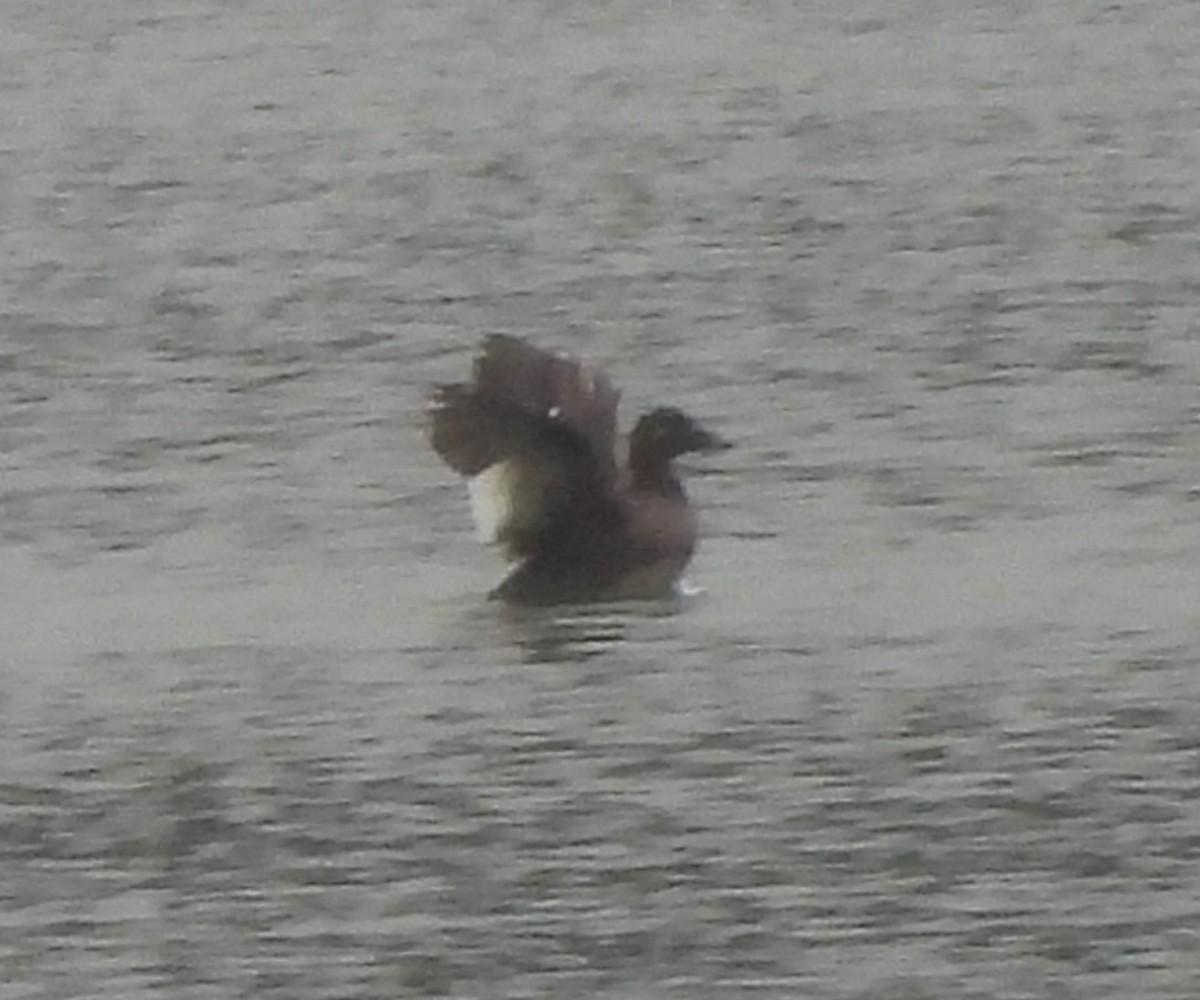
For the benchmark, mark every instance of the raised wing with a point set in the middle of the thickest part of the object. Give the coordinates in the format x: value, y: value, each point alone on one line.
x: 554, y: 387
x: 531, y: 432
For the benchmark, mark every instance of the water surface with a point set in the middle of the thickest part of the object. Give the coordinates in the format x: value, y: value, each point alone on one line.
x: 931, y: 725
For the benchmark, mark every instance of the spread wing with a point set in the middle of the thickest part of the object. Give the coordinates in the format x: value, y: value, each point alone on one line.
x: 553, y: 386
x: 531, y: 432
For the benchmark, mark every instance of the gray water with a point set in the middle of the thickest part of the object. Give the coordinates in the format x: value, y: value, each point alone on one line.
x: 929, y: 725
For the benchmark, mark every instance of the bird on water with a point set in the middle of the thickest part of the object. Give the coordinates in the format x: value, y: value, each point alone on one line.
x: 535, y: 435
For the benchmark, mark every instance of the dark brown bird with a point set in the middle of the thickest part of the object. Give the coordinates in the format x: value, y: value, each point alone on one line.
x: 535, y: 434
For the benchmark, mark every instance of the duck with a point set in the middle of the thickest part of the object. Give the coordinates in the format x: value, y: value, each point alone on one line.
x: 580, y: 515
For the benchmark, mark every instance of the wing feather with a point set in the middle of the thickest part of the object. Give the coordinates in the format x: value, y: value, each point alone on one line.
x: 551, y: 387
x: 522, y: 470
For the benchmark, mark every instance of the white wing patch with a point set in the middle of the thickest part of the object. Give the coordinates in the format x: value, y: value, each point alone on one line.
x: 492, y: 501
x: 508, y: 498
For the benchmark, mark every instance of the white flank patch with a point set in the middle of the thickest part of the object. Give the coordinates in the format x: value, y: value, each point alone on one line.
x: 492, y: 501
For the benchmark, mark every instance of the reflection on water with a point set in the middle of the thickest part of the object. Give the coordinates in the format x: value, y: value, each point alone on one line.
x: 563, y: 635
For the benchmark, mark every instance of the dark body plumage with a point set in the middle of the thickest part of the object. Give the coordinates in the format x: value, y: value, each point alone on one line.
x: 535, y: 433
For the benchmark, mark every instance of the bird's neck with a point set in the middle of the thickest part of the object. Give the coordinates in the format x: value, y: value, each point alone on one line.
x: 654, y: 474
